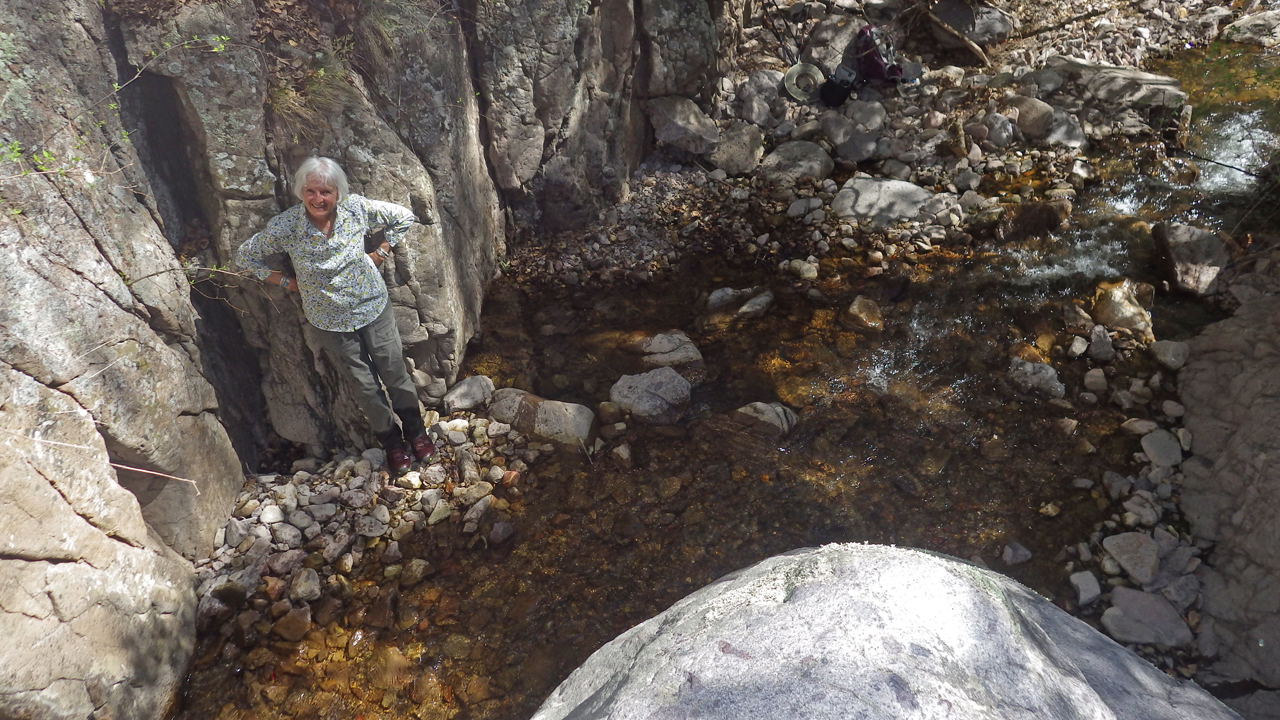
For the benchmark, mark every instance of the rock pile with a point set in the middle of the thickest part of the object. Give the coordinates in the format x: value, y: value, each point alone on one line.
x: 286, y: 558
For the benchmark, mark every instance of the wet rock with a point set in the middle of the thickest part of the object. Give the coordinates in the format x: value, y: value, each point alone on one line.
x: 1116, y: 305
x: 1087, y: 588
x: 294, y: 625
x: 1136, y: 552
x: 880, y: 200
x: 775, y: 418
x: 1095, y: 381
x: 1141, y: 617
x: 1190, y: 257
x: 1259, y: 29
x: 305, y: 586
x: 658, y: 396
x: 1171, y: 353
x: 567, y: 424
x: 864, y: 313
x: 1163, y: 448
x: 797, y: 159
x: 415, y: 571
x: 871, y: 592
x: 468, y: 394
x: 1015, y: 554
x: 680, y: 123
x: 1038, y: 378
x: 440, y: 512
x: 389, y: 668
x: 739, y: 150
x: 501, y: 532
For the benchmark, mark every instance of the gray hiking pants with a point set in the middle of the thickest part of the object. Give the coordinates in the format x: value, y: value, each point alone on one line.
x: 370, y: 354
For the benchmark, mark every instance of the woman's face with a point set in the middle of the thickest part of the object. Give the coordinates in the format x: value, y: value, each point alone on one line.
x: 319, y: 199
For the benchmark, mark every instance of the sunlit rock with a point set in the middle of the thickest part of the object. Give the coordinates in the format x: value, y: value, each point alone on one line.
x: 565, y: 423
x: 1191, y: 257
x: 658, y: 396
x: 1118, y: 305
x: 822, y: 630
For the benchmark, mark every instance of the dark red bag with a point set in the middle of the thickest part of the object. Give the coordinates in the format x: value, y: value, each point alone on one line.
x: 874, y: 52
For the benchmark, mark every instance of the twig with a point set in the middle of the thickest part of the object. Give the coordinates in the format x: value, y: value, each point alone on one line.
x: 970, y: 45
x: 117, y: 465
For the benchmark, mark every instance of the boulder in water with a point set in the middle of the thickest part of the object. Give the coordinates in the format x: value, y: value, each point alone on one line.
x: 909, y: 633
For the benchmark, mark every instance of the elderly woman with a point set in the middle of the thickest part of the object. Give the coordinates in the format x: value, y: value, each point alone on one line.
x: 344, y: 297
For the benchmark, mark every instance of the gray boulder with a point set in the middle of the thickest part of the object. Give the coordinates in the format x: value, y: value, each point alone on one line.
x: 900, y: 633
x: 797, y: 159
x: 1172, y: 354
x: 1035, y: 117
x: 658, y: 396
x: 1147, y: 618
x: 740, y: 148
x: 1065, y: 130
x: 859, y: 147
x: 1260, y: 29
x: 567, y: 424
x: 680, y: 123
x: 469, y: 393
x: 1038, y: 378
x: 880, y: 200
x: 1190, y: 257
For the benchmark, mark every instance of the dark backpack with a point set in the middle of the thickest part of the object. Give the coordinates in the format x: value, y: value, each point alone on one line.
x: 871, y: 60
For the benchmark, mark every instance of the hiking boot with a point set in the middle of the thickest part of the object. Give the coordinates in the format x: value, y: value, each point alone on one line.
x: 398, y: 459
x: 422, y: 447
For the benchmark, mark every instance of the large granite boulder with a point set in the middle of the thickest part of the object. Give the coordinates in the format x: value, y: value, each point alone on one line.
x: 1231, y: 489
x: 879, y: 632
x: 98, y: 615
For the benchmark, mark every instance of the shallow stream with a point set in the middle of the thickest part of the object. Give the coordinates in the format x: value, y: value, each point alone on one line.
x: 909, y: 436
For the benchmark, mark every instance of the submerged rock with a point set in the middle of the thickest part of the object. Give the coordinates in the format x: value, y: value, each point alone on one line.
x: 658, y: 396
x: 821, y: 630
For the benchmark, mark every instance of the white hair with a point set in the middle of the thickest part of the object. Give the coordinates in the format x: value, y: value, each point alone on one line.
x: 324, y: 170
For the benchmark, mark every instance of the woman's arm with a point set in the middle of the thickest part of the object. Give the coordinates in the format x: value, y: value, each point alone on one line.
x: 272, y: 239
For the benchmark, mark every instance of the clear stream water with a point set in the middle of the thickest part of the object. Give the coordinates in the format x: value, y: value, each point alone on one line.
x: 909, y: 436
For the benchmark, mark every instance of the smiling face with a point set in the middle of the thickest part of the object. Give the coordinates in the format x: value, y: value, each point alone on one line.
x: 319, y: 199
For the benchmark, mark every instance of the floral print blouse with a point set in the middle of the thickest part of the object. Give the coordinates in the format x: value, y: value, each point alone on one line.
x: 342, y: 290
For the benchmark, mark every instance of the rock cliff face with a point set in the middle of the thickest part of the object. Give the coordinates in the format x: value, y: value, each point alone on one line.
x: 143, y: 142
x: 1231, y: 493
